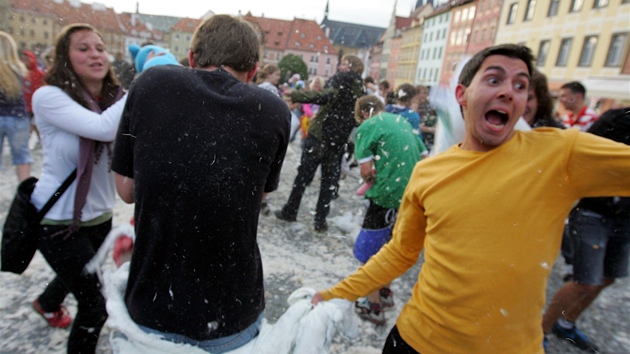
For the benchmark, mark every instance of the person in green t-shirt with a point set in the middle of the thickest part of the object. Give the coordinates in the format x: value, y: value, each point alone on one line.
x: 387, y: 149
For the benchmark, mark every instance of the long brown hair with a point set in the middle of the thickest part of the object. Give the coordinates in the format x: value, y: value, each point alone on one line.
x: 62, y: 75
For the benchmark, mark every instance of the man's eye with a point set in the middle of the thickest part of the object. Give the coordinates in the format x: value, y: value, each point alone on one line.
x: 493, y: 80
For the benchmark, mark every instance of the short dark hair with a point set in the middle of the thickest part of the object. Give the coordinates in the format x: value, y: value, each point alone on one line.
x: 225, y: 40
x: 368, y: 80
x: 516, y: 51
x: 405, y: 93
x: 354, y: 62
x: 538, y: 83
x: 368, y: 103
x: 575, y: 87
x: 384, y: 84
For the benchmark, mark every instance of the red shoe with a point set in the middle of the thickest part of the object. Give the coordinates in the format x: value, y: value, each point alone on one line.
x: 58, y: 319
x: 123, y: 247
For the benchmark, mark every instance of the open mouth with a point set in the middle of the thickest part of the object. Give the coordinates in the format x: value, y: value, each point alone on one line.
x: 497, y: 118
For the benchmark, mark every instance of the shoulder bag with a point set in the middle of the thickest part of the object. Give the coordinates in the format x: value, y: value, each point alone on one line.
x: 20, y: 231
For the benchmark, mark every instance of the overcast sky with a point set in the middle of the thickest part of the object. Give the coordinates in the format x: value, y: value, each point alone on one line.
x: 367, y: 12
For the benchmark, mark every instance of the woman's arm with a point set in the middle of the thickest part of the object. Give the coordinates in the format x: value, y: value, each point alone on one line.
x: 52, y: 105
x: 124, y: 187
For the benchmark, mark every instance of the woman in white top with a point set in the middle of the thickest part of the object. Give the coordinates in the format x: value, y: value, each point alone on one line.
x: 77, y: 113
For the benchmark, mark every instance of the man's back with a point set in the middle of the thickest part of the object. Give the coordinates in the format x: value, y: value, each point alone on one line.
x: 204, y: 147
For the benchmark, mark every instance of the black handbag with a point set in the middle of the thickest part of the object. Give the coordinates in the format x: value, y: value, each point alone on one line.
x: 19, y: 233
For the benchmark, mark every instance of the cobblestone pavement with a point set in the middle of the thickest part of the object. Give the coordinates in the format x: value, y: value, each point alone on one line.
x: 293, y: 256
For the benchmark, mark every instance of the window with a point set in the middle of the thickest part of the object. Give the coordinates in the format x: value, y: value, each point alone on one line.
x: 512, y: 14
x: 563, y: 54
x: 543, y: 51
x: 471, y: 14
x: 327, y: 60
x: 457, y: 15
x: 576, y: 5
x: 600, y: 3
x: 529, y: 12
x: 464, y: 14
x: 553, y: 8
x: 588, y: 50
x: 617, y: 44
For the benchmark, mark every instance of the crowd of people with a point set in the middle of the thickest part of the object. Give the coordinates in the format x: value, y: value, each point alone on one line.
x: 198, y: 146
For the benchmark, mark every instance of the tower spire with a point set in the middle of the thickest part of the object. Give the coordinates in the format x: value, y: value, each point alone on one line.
x: 326, y: 11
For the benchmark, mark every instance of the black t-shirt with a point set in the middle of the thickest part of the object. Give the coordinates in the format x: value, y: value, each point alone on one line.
x: 201, y: 147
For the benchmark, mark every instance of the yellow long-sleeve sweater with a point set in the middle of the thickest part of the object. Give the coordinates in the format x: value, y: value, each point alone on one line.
x: 490, y: 225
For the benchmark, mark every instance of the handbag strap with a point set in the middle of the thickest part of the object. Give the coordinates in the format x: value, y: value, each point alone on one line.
x: 58, y: 193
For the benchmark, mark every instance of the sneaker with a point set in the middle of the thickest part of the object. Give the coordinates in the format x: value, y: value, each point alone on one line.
x: 321, y: 225
x: 58, y: 319
x: 387, y: 298
x: 282, y: 216
x: 370, y: 311
x: 576, y: 337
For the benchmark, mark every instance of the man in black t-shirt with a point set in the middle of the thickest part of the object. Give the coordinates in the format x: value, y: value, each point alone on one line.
x: 196, y: 151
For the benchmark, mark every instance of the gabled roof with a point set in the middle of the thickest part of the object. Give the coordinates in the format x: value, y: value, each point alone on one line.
x: 73, y: 11
x: 350, y: 34
x: 186, y: 25
x: 275, y: 33
x: 135, y: 27
x: 402, y: 23
x: 158, y: 22
x: 299, y: 34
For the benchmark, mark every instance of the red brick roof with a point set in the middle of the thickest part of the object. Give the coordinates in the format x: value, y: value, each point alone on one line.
x: 66, y: 12
x: 186, y: 25
x: 137, y: 28
x: 299, y: 34
x: 402, y: 23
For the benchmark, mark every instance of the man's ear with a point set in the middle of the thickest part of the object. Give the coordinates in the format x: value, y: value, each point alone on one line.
x: 251, y: 73
x: 460, y: 95
x: 191, y: 59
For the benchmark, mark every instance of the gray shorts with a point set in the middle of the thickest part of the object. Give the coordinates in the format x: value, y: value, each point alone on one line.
x: 601, y: 245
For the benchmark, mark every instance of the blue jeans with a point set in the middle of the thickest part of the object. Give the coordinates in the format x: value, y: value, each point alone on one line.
x: 17, y: 130
x: 215, y: 346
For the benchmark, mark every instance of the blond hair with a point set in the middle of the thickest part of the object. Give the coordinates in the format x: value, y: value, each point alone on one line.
x: 319, y: 79
x: 11, y: 67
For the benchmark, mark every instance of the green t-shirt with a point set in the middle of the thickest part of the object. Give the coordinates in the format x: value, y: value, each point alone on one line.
x: 395, y: 149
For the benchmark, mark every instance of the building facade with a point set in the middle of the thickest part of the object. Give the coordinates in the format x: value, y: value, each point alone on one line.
x: 459, y: 36
x: 435, y: 34
x: 583, y: 40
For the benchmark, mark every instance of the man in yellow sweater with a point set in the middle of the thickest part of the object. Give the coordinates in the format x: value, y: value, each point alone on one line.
x: 489, y: 215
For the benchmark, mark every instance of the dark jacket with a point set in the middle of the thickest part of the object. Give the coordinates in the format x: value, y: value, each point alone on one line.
x: 615, y: 125
x: 335, y: 119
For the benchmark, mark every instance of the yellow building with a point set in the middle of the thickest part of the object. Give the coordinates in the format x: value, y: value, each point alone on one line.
x: 410, y: 47
x: 581, y: 40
